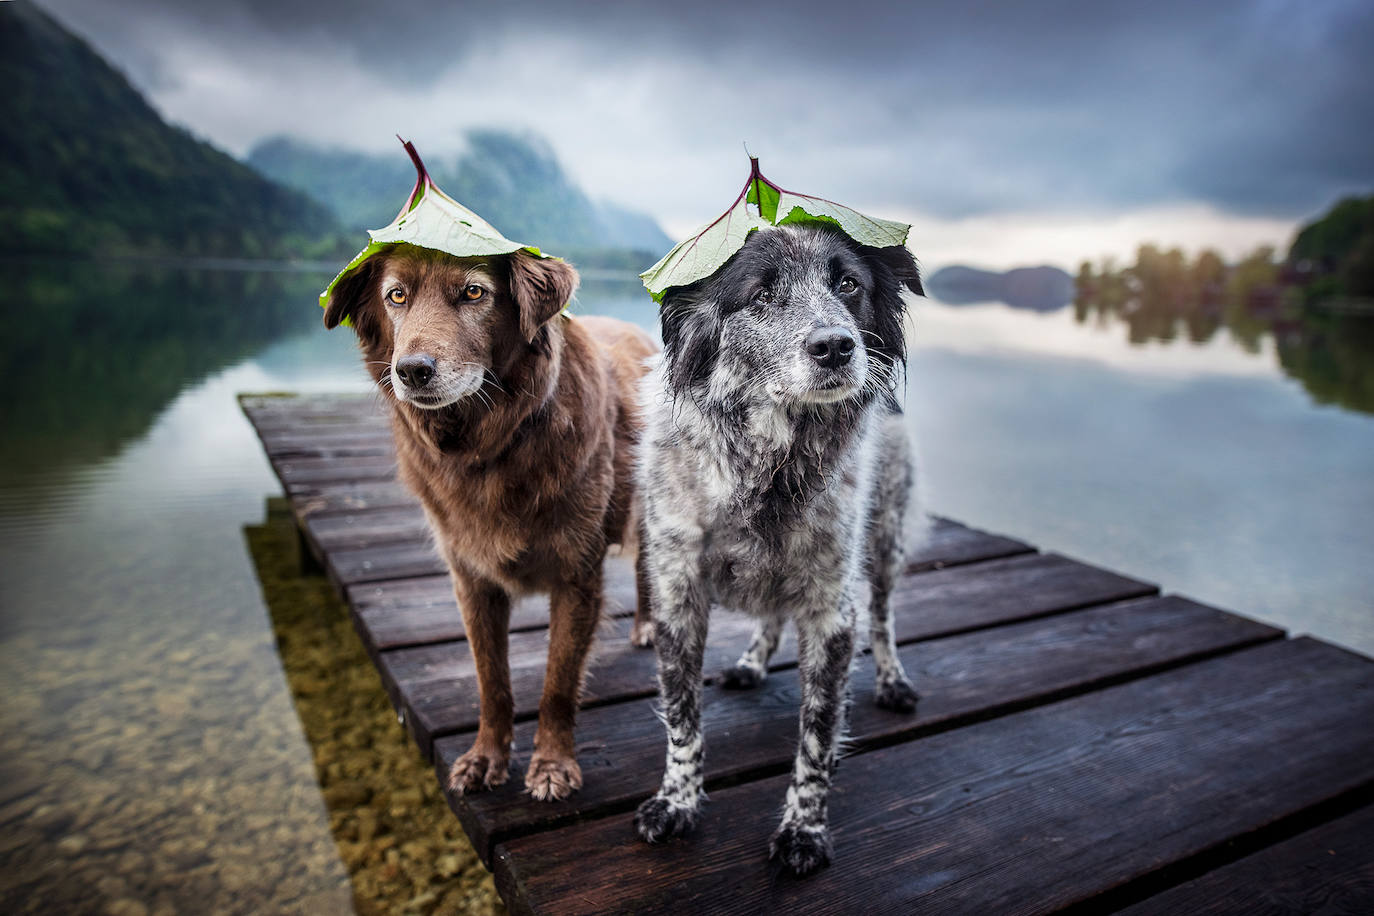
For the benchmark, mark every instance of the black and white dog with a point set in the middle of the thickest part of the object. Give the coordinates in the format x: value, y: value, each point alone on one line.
x: 776, y: 472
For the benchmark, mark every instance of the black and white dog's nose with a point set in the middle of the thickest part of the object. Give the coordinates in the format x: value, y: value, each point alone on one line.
x: 830, y: 347
x: 416, y: 370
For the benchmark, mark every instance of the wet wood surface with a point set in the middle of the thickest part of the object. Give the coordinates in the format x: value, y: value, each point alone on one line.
x: 1083, y: 743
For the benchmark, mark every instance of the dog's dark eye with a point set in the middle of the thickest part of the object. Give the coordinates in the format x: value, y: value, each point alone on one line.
x: 847, y: 285
x: 396, y: 296
x: 763, y: 296
x: 472, y: 292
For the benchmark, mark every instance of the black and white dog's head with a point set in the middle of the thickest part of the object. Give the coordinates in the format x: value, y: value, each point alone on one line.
x: 799, y: 315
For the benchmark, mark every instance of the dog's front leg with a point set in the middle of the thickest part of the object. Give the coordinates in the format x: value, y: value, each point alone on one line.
x: 681, y: 614
x: 486, y: 617
x: 826, y: 647
x: 574, y: 611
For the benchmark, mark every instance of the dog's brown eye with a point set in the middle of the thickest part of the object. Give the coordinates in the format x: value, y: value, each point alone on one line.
x: 396, y: 296
x: 847, y: 285
x: 472, y: 292
x: 764, y: 296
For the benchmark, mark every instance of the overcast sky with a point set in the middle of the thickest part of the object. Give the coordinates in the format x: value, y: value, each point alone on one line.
x: 1045, y: 131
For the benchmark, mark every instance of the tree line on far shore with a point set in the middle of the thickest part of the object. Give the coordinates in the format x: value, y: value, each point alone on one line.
x: 1317, y: 302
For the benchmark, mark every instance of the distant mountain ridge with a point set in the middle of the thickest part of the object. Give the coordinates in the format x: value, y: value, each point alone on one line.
x: 1041, y: 289
x: 513, y: 181
x: 88, y: 166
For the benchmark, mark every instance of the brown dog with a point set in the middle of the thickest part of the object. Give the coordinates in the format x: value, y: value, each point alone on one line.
x: 516, y: 427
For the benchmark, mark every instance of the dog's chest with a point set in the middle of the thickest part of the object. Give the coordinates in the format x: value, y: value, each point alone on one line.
x: 766, y: 548
x: 515, y: 529
x: 780, y: 571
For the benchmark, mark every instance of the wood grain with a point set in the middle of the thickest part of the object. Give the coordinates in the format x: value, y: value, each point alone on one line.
x: 1025, y: 814
x: 961, y: 678
x: 1328, y: 869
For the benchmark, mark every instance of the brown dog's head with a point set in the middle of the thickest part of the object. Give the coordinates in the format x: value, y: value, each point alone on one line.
x: 436, y: 325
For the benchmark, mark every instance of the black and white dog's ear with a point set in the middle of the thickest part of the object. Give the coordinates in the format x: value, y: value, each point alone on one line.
x: 540, y: 288
x: 350, y: 293
x: 691, y: 336
x: 899, y: 262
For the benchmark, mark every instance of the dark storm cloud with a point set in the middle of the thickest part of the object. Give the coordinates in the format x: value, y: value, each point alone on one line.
x: 1256, y: 108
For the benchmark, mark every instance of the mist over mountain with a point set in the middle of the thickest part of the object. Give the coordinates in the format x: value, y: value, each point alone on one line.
x: 88, y: 166
x: 513, y: 181
x: 1041, y: 289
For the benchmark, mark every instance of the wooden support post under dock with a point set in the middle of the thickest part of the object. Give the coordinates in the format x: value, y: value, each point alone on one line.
x: 1082, y: 743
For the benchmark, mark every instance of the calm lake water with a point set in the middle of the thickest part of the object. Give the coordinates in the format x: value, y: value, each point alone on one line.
x: 152, y: 758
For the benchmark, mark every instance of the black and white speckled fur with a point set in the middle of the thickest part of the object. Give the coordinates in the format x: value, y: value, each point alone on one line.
x: 776, y: 483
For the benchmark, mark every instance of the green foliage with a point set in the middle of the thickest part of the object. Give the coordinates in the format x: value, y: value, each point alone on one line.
x: 89, y: 166
x: 1330, y: 350
x: 1336, y: 233
x: 713, y: 244
x: 431, y: 219
x: 1335, y: 253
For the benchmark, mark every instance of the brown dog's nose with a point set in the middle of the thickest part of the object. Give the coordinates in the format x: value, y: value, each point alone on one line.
x: 416, y: 370
x: 830, y: 347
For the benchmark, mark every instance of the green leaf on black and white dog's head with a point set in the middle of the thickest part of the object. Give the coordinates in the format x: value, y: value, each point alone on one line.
x: 432, y: 219
x: 761, y: 205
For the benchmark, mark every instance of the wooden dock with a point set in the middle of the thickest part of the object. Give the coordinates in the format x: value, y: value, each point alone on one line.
x: 1083, y: 743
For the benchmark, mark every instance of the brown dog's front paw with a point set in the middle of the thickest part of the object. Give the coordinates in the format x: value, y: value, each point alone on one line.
x: 642, y: 636
x: 553, y: 778
x: 478, y: 769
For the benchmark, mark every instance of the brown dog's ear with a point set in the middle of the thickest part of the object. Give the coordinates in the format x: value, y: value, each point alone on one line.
x: 350, y: 292
x: 540, y: 288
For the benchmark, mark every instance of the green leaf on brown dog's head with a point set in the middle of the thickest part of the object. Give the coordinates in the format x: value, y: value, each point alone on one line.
x: 432, y: 219
x: 761, y: 205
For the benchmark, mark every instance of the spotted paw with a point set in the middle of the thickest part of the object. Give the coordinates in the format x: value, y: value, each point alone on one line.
x: 642, y: 635
x: 478, y: 769
x: 800, y: 850
x: 741, y: 677
x: 898, y: 696
x: 553, y: 778
x: 658, y: 819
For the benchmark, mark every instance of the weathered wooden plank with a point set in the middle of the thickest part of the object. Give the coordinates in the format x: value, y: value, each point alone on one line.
x: 296, y: 473
x: 1328, y: 869
x: 949, y: 543
x: 387, y: 560
x: 366, y: 528
x: 436, y: 685
x: 311, y: 499
x: 347, y: 443
x: 425, y: 603
x: 307, y: 408
x: 961, y: 678
x: 1025, y: 814
x: 415, y: 557
x: 966, y: 597
x: 420, y: 611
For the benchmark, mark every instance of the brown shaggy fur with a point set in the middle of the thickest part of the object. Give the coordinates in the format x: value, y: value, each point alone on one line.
x: 526, y: 480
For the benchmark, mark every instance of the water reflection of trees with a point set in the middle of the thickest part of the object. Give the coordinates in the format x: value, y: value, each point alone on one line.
x: 94, y: 352
x: 1327, y: 345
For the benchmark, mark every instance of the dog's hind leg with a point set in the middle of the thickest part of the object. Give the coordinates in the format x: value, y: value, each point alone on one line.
x: 887, y: 560
x: 486, y: 618
x: 825, y: 643
x: 574, y: 611
x: 642, y: 633
x: 752, y: 667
